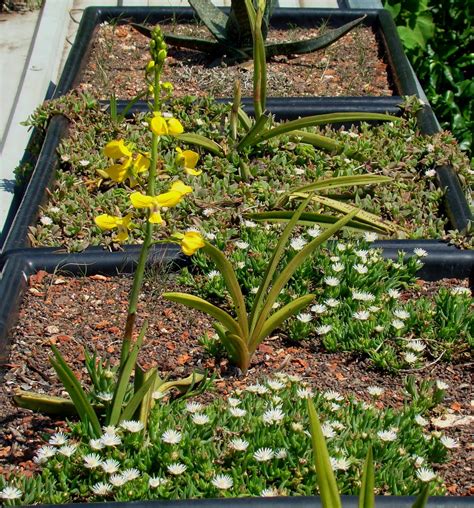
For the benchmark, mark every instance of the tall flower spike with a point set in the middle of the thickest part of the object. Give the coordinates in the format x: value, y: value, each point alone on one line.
x: 188, y: 159
x: 107, y: 222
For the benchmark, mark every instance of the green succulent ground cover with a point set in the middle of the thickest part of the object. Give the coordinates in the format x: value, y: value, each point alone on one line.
x: 251, y: 443
x: 412, y: 201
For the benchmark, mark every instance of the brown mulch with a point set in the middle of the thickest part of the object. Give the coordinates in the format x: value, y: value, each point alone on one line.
x: 352, y: 66
x: 74, y: 313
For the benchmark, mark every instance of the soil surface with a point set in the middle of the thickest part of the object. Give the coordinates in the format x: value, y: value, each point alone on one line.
x: 74, y: 313
x: 352, y: 66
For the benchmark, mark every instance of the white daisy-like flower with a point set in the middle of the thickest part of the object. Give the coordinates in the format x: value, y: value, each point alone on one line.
x: 370, y: 237
x: 269, y: 492
x: 264, y: 454
x: 319, y: 308
x: 294, y: 378
x: 200, y: 419
x: 110, y: 439
x: 222, y: 482
x: 340, y: 464
x: 373, y: 308
x: 58, y: 439
x: 46, y: 221
x: 337, y: 267
x: 361, y: 269
x: 341, y: 247
x: 401, y: 314
x: 421, y: 253
x: 304, y: 392
x: 362, y: 296
x: 416, y: 345
x: 337, y: 425
x: 257, y: 388
x: 273, y: 415
x: 171, y: 436
x: 323, y: 329
x: 130, y: 474
x: 194, y: 407
x: 361, y: 315
x: 44, y: 453
x: 460, y: 290
x: 327, y: 430
x: 331, y: 302
x: 362, y: 254
x: 281, y: 453
x: 333, y: 395
x: 421, y: 421
x: 233, y: 402
x: 176, y: 468
x: 304, y: 317
x: 254, y: 290
x: 239, y: 444
x: 335, y: 259
x: 314, y: 231
x: 110, y: 429
x: 110, y: 466
x: 297, y: 427
x: 156, y: 481
x: 418, y: 461
x: 96, y: 444
x: 157, y: 395
x: 387, y: 435
x: 101, y: 488
x: 84, y: 163
x: 55, y: 209
x: 117, y: 480
x: 132, y: 426
x: 379, y: 328
x: 241, y: 245
x: 250, y: 224
x: 275, y: 385
x: 410, y: 358
x: 299, y: 171
x: 375, y: 391
x: 10, y: 492
x: 398, y: 324
x: 335, y: 407
x: 332, y: 282
x: 105, y: 396
x: 298, y: 243
x: 213, y: 274
x: 449, y: 442
x: 68, y: 450
x: 92, y: 460
x: 394, y: 293
x: 425, y: 475
x: 237, y: 412
x: 430, y: 173
x: 207, y: 212
x: 240, y: 265
x: 210, y: 236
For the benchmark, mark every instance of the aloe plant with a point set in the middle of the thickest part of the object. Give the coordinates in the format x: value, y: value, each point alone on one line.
x: 233, y: 32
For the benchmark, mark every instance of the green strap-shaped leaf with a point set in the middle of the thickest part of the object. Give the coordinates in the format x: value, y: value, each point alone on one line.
x: 254, y: 133
x: 313, y: 44
x: 342, y: 181
x: 239, y: 349
x: 367, y: 494
x: 270, y: 271
x: 181, y: 384
x: 420, y: 501
x: 311, y: 121
x: 212, y: 17
x: 321, y: 142
x: 328, y: 491
x: 130, y: 105
x: 230, y: 279
x: 310, y: 218
x: 144, y: 408
x: 244, y: 119
x: 124, y: 378
x: 198, y: 303
x: 45, y: 404
x: 203, y: 142
x: 276, y: 319
x: 234, y: 112
x: 135, y: 401
x: 291, y: 267
x: 75, y: 391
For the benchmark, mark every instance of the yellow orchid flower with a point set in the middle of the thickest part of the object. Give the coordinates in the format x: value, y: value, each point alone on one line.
x: 188, y: 159
x: 107, y: 222
x: 175, y: 127
x: 191, y: 242
x: 161, y: 126
x: 140, y: 200
x: 117, y: 149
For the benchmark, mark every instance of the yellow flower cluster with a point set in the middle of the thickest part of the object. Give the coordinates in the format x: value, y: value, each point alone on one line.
x: 127, y: 164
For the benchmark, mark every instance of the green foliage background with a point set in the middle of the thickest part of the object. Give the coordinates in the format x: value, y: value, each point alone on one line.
x: 437, y: 35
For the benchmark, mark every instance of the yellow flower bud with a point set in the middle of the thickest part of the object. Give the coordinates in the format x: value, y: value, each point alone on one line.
x: 150, y: 65
x: 161, y: 55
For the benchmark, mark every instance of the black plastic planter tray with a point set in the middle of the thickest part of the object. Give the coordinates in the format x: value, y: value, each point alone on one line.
x: 400, y: 72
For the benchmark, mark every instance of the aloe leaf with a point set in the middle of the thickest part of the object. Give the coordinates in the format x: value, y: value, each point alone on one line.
x: 132, y: 406
x: 45, y: 404
x: 367, y: 495
x: 313, y: 44
x: 321, y: 142
x: 241, y: 355
x: 276, y: 319
x: 230, y: 279
x: 198, y: 303
x: 310, y: 218
x: 124, y: 378
x: 244, y: 119
x: 328, y: 491
x: 75, y: 391
x: 342, y: 181
x: 212, y: 17
x: 310, y: 121
x: 422, y: 498
x: 290, y: 268
x: 272, y: 266
x: 254, y: 133
x: 203, y: 142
